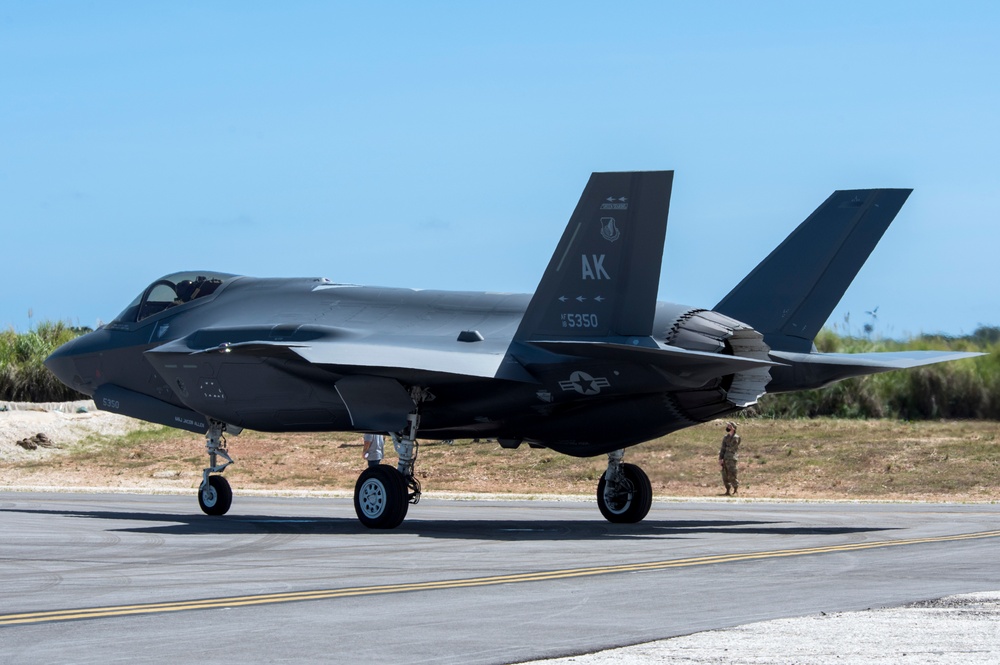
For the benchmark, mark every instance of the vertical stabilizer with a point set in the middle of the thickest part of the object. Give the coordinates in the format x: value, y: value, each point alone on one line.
x: 790, y: 295
x: 603, y: 278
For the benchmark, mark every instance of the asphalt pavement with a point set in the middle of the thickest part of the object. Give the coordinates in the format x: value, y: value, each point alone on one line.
x: 99, y: 578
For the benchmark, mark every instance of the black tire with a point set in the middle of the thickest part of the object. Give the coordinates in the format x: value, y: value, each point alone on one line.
x: 632, y: 503
x: 216, y: 497
x: 380, y: 497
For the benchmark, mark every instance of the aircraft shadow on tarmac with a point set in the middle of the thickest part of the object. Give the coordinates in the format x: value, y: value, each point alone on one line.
x: 498, y: 530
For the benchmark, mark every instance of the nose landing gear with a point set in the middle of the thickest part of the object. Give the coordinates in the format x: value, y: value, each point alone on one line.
x: 215, y: 496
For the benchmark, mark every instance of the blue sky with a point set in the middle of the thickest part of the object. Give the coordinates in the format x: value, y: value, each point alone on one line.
x: 445, y: 144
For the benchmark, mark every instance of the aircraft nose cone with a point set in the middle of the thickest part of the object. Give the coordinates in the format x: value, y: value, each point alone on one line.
x: 60, y: 363
x: 77, y: 363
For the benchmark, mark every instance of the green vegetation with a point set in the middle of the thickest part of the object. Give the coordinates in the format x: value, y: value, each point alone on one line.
x: 962, y: 389
x: 23, y: 376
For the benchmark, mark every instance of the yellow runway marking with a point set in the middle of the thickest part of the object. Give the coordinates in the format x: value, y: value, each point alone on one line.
x: 326, y: 594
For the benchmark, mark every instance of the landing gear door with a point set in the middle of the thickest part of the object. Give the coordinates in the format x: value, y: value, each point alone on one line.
x: 375, y: 403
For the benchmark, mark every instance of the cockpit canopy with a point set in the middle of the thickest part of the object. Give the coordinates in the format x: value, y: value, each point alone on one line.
x: 172, y: 291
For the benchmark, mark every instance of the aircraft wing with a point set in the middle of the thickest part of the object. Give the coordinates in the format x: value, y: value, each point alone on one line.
x: 371, y: 366
x: 341, y: 348
x: 428, y: 354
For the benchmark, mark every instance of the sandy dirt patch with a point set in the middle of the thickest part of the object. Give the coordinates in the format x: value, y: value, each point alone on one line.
x: 63, y: 424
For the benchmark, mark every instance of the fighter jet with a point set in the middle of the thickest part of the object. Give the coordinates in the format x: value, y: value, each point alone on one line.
x: 589, y: 365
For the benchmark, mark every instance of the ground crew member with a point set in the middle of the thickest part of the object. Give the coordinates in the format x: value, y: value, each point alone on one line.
x: 374, y: 448
x: 728, y: 458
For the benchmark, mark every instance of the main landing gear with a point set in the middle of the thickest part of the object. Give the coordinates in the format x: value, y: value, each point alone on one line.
x: 215, y: 496
x: 624, y: 493
x: 383, y: 494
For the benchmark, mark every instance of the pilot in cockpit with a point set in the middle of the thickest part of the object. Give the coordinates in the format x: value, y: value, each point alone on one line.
x: 186, y: 291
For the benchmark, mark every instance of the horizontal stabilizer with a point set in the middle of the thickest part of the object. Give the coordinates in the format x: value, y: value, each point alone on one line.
x: 885, y: 359
x: 805, y: 371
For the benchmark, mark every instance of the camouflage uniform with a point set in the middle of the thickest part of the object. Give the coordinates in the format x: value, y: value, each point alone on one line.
x: 728, y: 458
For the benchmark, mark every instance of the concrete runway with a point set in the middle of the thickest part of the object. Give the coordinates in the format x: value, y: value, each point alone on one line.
x: 98, y: 578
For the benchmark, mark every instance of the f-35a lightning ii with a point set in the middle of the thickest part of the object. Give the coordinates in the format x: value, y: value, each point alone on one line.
x: 590, y: 364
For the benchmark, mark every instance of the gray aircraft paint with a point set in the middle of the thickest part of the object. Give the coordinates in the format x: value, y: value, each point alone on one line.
x: 591, y: 363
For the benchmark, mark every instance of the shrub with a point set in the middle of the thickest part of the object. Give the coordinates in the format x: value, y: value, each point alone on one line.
x: 23, y: 375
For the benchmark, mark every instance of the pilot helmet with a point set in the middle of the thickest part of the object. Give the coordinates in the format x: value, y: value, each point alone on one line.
x: 185, y: 290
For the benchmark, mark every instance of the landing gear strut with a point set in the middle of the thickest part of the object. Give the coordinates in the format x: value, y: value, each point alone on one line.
x: 215, y: 496
x: 382, y: 494
x: 624, y: 493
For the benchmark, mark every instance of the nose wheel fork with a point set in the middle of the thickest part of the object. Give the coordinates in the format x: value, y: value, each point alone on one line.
x: 215, y: 496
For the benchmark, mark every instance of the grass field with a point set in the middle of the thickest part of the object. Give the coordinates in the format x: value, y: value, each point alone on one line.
x: 802, y: 458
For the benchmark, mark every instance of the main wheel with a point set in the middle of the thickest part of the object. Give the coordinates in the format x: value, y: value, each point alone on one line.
x: 630, y: 502
x: 216, y: 497
x: 380, y: 497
